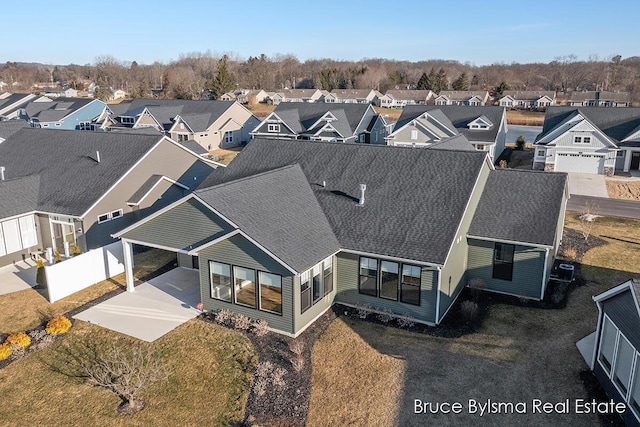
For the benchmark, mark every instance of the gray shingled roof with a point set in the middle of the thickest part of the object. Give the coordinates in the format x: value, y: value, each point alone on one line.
x: 520, y: 206
x: 9, y: 127
x: 458, y: 142
x: 56, y: 109
x: 166, y: 109
x: 19, y: 99
x: 70, y: 179
x: 405, y: 187
x: 601, y: 95
x: 460, y: 116
x: 529, y: 95
x: 300, y: 115
x: 616, y: 123
x: 279, y: 211
x: 21, y: 193
x: 622, y: 309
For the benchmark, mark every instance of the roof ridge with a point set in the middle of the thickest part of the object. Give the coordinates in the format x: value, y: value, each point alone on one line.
x: 248, y: 178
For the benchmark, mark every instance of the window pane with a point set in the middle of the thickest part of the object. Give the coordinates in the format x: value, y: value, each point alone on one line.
x: 368, y: 276
x: 503, y: 261
x: 317, y: 283
x: 270, y: 292
x: 389, y: 283
x: 11, y: 236
x: 328, y: 275
x: 607, y: 344
x: 623, y: 363
x: 28, y: 231
x: 305, y: 292
x: 220, y: 281
x: 635, y: 391
x: 245, y: 286
x: 410, y: 288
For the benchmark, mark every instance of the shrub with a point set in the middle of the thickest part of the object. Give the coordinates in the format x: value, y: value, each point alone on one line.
x: 469, y: 310
x: 557, y: 296
x: 75, y: 250
x: 241, y: 322
x: 386, y: 316
x: 40, y: 338
x: 260, y: 327
x: 40, y: 263
x: 520, y: 143
x: 363, y: 310
x: 476, y: 286
x: 19, y: 340
x: 58, y: 256
x: 570, y: 253
x: 267, y: 374
x: 5, y: 351
x: 297, y: 348
x: 224, y: 317
x: 58, y: 325
x: 406, y: 322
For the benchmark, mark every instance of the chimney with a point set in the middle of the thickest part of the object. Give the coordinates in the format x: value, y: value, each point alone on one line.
x: 362, y: 188
x: 2, y: 169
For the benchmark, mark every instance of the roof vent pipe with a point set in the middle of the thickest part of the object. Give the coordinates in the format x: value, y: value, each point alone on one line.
x: 98, y: 156
x: 324, y: 184
x: 2, y: 173
x: 362, y: 188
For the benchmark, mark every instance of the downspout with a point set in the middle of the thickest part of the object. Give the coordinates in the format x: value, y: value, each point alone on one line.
x: 438, y: 295
x: 597, y: 340
x: 545, y: 275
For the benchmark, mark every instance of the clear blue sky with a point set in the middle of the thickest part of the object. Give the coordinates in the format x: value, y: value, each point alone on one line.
x: 479, y: 32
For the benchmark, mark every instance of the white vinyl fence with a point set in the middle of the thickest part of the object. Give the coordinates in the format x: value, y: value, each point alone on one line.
x: 82, y: 271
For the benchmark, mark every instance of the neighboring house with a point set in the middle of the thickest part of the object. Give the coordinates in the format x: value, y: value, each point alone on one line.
x: 396, y: 229
x: 64, y: 113
x: 60, y: 92
x: 613, y: 350
x: 353, y: 96
x: 253, y: 97
x: 527, y: 99
x: 60, y: 188
x: 297, y: 95
x: 401, y: 98
x: 462, y: 97
x: 212, y: 124
x: 229, y: 96
x: 484, y: 127
x: 9, y: 127
x: 118, y: 94
x: 589, y: 140
x: 12, y: 105
x: 323, y: 122
x: 600, y: 99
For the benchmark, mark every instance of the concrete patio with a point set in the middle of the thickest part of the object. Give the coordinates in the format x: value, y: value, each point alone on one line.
x: 18, y: 277
x: 585, y: 347
x: 153, y: 309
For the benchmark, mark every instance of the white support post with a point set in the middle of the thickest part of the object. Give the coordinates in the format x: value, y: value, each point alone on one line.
x: 127, y: 252
x: 627, y: 160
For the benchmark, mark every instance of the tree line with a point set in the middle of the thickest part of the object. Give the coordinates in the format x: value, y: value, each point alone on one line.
x: 197, y: 75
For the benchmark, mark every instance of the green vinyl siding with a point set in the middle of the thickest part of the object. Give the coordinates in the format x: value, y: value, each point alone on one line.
x: 346, y: 272
x: 302, y: 320
x: 238, y: 251
x: 184, y: 227
x: 453, y: 278
x: 528, y: 269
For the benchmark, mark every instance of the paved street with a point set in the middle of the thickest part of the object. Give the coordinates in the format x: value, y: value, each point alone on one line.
x: 615, y: 207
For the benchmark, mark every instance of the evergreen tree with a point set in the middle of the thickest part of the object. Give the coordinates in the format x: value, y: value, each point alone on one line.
x: 432, y: 79
x: 499, y: 90
x: 103, y: 91
x: 461, y: 83
x: 423, y: 83
x: 223, y: 81
x: 442, y: 82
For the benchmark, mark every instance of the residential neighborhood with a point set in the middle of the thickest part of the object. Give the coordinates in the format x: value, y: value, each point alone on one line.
x: 380, y: 225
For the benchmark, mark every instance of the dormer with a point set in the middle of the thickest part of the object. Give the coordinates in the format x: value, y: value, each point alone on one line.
x: 481, y: 123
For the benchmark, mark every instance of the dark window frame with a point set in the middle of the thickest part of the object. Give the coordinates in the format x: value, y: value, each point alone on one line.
x: 397, y: 280
x: 503, y: 269
x: 327, y: 278
x: 375, y: 278
x: 305, y: 292
x: 255, y: 284
x: 259, y: 293
x: 231, y: 288
x: 404, y: 283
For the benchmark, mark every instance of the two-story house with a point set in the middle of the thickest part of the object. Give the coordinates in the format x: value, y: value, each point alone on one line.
x: 64, y: 113
x: 323, y: 122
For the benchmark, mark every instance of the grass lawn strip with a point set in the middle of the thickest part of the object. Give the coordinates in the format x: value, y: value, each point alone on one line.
x: 212, y: 372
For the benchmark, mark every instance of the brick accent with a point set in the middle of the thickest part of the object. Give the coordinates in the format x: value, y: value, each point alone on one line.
x: 548, y: 167
x: 608, y: 171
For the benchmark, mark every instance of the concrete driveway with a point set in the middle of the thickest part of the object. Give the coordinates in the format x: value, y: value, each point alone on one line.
x: 586, y: 184
x: 18, y: 277
x: 155, y: 308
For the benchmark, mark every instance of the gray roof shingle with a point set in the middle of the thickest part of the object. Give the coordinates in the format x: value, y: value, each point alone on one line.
x: 405, y: 187
x: 460, y: 116
x: 22, y: 194
x: 299, y: 116
x: 506, y: 212
x: 9, y: 127
x: 70, y: 179
x: 279, y: 211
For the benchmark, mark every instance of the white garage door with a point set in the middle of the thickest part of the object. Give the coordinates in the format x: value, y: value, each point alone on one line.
x: 580, y: 163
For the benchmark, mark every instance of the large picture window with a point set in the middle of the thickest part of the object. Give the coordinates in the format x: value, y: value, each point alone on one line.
x: 368, y: 276
x: 220, y: 275
x: 11, y: 233
x: 245, y: 286
x: 389, y: 280
x: 305, y: 291
x: 270, y: 292
x: 328, y: 275
x: 607, y: 344
x: 624, y: 360
x: 503, y: 261
x: 410, y: 288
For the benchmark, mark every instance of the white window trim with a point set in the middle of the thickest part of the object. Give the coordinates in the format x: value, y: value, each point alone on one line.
x: 273, y: 127
x: 110, y: 216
